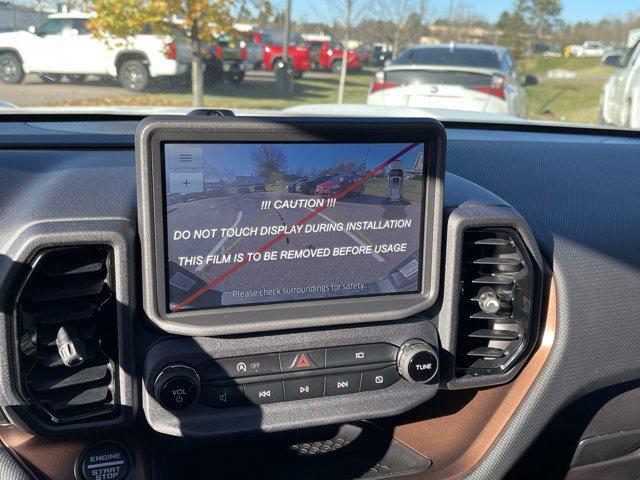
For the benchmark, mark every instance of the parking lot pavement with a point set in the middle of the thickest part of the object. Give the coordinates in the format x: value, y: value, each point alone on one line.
x: 34, y: 92
x: 243, y: 210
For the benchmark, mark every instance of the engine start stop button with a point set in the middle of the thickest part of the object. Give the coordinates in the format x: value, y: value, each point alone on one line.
x: 107, y: 460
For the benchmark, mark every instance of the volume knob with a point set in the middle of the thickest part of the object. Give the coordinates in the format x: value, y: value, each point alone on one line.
x: 177, y: 386
x: 417, y: 361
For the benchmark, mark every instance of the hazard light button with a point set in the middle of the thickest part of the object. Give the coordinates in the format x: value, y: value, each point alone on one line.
x: 302, y: 360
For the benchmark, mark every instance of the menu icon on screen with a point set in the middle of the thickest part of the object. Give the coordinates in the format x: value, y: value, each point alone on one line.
x: 179, y: 156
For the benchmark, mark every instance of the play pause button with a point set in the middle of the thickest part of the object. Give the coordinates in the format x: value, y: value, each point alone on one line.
x: 303, y: 388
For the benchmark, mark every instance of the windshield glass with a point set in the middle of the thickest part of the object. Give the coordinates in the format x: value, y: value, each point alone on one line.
x: 450, y: 56
x: 546, y: 61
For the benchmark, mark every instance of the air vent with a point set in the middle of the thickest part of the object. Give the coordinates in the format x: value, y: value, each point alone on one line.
x: 66, y: 326
x: 496, y: 302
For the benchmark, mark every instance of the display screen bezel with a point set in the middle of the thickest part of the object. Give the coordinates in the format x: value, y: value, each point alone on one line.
x: 288, y: 314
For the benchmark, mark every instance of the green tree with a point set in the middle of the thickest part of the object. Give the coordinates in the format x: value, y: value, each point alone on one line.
x: 541, y: 15
x: 527, y: 19
x: 200, y: 21
x: 513, y: 29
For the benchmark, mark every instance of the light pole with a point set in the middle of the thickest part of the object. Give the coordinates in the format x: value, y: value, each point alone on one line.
x: 345, y: 52
x: 451, y: 20
x: 284, y: 80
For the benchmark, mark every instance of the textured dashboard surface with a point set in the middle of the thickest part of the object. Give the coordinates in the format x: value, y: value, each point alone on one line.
x: 580, y: 195
x: 582, y: 201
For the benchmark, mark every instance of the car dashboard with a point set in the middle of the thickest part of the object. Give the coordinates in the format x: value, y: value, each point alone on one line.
x: 531, y: 331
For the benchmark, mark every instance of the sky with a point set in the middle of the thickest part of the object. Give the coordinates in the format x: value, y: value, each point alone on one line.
x: 235, y: 159
x: 573, y: 11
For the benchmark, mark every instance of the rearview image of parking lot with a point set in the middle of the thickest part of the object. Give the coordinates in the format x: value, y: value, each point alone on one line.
x: 262, y: 223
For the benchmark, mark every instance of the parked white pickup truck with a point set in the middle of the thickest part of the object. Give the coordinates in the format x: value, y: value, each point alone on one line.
x: 63, y: 45
x: 620, y: 99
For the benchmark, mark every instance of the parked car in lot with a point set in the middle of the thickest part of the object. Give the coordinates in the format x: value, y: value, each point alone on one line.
x: 292, y: 186
x: 590, y: 50
x: 481, y: 78
x: 210, y: 191
x: 264, y: 50
x: 326, y: 54
x: 225, y: 62
x: 338, y: 183
x: 375, y: 54
x: 63, y: 45
x: 308, y: 186
x: 620, y: 99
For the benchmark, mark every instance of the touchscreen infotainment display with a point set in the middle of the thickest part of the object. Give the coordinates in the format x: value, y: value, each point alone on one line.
x: 249, y: 223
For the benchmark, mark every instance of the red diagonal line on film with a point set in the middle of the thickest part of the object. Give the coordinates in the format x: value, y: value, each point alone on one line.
x: 282, y: 236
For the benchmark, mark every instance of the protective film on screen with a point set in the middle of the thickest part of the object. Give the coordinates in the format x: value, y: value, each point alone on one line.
x: 251, y: 224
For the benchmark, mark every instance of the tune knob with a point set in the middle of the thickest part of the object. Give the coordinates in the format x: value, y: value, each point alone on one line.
x: 417, y: 361
x: 177, y: 386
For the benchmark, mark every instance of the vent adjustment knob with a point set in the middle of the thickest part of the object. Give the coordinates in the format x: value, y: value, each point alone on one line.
x: 488, y: 300
x: 177, y: 386
x: 417, y: 361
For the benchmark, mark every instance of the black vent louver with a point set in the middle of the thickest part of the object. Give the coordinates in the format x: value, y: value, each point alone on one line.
x: 495, y: 322
x: 66, y: 326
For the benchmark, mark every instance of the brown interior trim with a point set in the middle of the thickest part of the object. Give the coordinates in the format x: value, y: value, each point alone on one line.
x: 457, y: 428
x: 43, y: 459
x: 54, y: 459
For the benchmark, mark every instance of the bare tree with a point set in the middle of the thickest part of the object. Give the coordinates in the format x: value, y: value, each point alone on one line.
x: 347, y: 13
x: 465, y: 19
x: 269, y: 161
x: 396, y: 20
x: 423, y: 7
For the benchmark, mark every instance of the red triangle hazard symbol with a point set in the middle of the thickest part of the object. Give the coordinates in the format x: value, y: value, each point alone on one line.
x: 302, y: 361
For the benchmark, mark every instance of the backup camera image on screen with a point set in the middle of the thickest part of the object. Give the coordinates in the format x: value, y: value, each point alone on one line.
x: 263, y: 223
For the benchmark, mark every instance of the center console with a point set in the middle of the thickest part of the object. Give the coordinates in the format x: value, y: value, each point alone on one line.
x: 254, y: 226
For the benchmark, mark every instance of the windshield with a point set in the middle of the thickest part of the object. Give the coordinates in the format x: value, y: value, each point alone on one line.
x: 544, y: 61
x: 449, y: 56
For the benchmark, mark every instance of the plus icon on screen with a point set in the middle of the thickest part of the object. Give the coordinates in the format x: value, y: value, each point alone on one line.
x: 186, y: 183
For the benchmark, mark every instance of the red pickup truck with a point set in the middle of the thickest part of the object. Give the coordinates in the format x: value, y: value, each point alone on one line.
x: 265, y: 50
x: 327, y: 55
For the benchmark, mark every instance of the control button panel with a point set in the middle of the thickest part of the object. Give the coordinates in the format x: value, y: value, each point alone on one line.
x: 322, y: 376
x: 295, y: 375
x: 298, y: 389
x: 300, y: 360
